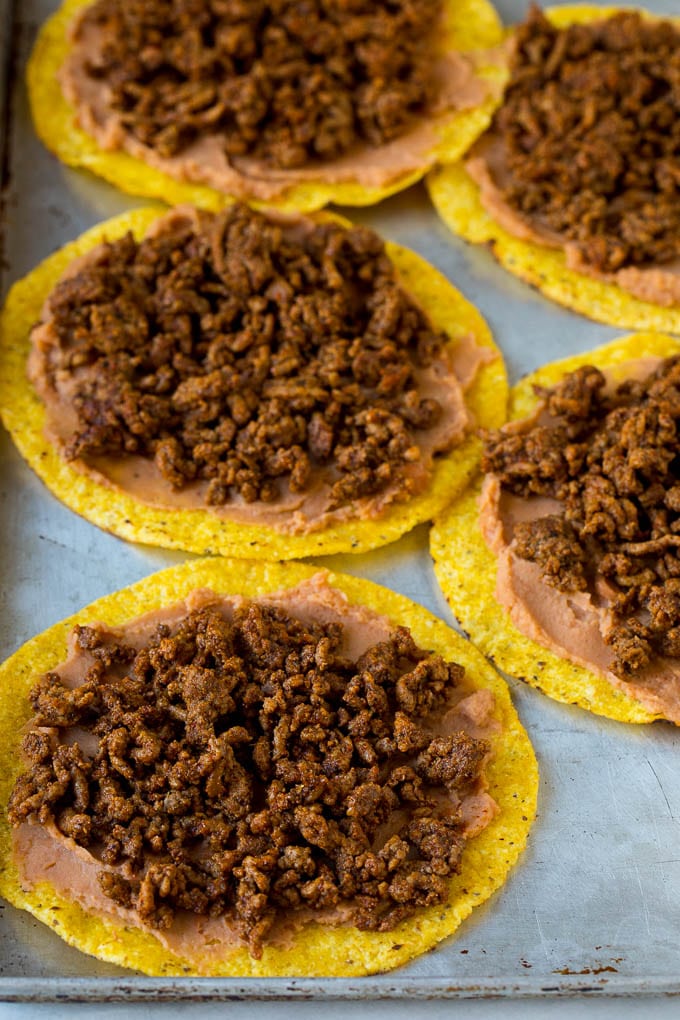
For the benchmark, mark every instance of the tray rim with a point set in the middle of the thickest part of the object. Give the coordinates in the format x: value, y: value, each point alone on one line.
x: 325, y: 989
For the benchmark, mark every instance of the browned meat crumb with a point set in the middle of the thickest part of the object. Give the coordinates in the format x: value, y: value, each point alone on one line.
x: 552, y: 543
x: 591, y: 132
x: 286, y: 81
x: 250, y: 355
x: 248, y: 767
x: 613, y: 461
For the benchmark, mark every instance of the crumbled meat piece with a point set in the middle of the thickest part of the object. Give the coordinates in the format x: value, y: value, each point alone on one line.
x: 532, y: 462
x: 246, y: 766
x: 451, y: 761
x: 249, y: 355
x: 612, y: 461
x: 591, y: 136
x: 285, y: 81
x: 551, y: 543
x: 576, y: 398
x: 632, y: 651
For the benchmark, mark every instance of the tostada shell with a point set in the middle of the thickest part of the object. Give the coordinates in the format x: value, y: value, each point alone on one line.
x: 200, y: 530
x: 456, y: 198
x: 469, y: 25
x: 320, y: 951
x: 466, y: 568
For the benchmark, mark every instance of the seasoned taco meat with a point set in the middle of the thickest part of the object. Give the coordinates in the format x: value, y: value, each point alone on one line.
x: 600, y: 466
x: 285, y: 81
x: 239, y: 759
x: 585, y: 150
x: 259, y: 359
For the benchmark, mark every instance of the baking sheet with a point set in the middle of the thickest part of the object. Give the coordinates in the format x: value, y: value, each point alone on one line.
x: 594, y: 905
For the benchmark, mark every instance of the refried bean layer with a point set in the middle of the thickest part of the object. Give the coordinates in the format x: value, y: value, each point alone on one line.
x: 283, y: 81
x: 234, y: 758
x: 263, y: 360
x: 588, y: 139
x: 609, y: 456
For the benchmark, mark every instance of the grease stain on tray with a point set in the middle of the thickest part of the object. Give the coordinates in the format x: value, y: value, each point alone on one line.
x: 588, y: 970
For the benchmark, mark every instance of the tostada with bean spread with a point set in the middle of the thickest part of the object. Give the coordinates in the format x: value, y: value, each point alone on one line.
x: 562, y: 562
x: 251, y: 384
x: 274, y: 101
x: 241, y: 768
x: 575, y: 184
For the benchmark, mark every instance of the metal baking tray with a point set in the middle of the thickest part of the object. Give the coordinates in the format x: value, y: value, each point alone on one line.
x: 594, y: 905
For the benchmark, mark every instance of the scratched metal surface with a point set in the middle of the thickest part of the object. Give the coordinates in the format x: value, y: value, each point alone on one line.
x: 595, y: 903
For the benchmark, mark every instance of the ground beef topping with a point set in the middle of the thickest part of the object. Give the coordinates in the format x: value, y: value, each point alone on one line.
x: 590, y: 127
x: 611, y: 458
x: 246, y: 766
x: 285, y: 81
x: 249, y: 355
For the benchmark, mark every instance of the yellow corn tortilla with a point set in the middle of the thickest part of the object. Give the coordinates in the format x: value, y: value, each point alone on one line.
x: 469, y: 25
x: 456, y: 198
x: 320, y: 951
x: 200, y: 530
x: 466, y: 568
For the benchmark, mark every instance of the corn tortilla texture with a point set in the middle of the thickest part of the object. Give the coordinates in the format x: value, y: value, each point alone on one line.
x: 201, y: 530
x: 466, y: 568
x: 456, y: 198
x: 469, y: 25
x: 319, y: 950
